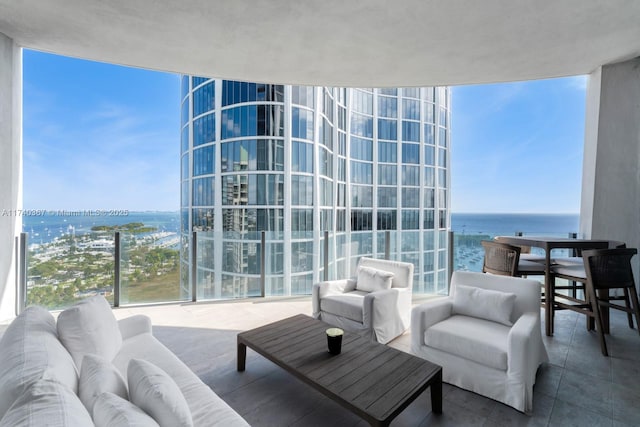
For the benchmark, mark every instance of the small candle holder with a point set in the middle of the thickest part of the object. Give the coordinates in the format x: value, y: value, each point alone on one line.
x: 334, y: 340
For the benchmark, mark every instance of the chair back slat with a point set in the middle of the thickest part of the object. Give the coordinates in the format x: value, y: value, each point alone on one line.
x: 609, y: 268
x: 500, y: 258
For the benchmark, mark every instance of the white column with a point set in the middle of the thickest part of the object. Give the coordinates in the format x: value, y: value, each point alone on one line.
x: 10, y: 170
x: 610, y: 206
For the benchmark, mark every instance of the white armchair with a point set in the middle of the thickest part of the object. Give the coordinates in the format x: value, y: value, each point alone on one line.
x: 486, y: 336
x: 374, y: 303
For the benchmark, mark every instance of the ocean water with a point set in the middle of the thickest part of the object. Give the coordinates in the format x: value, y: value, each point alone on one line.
x: 44, y: 227
x: 509, y: 224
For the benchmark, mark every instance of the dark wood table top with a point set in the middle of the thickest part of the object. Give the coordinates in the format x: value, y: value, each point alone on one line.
x: 373, y: 380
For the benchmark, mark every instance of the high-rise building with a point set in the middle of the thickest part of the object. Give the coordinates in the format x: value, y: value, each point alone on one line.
x: 365, y: 169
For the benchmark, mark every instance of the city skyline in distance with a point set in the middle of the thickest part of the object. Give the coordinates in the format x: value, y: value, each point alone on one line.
x: 103, y: 136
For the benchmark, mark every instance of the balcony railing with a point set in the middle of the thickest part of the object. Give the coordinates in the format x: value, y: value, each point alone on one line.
x: 129, y: 269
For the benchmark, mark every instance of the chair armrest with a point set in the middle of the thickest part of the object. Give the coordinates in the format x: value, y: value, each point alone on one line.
x: 426, y: 315
x: 523, y: 345
x: 387, y: 312
x: 325, y: 289
x: 134, y: 325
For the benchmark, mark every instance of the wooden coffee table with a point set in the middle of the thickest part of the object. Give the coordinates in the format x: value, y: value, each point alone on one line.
x: 372, y: 380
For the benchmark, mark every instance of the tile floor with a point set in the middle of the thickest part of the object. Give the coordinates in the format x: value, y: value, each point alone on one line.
x: 578, y: 387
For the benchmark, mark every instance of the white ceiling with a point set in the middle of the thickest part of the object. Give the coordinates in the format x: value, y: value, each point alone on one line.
x: 366, y: 43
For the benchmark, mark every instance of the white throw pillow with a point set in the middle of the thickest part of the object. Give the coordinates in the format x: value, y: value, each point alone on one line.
x: 29, y: 351
x: 114, y: 411
x: 89, y: 327
x: 371, y: 279
x: 96, y: 377
x: 484, y: 303
x: 156, y: 393
x: 47, y: 403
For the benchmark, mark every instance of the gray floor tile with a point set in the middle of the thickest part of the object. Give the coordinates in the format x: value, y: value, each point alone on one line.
x: 589, y: 393
x: 626, y: 404
x: 568, y: 415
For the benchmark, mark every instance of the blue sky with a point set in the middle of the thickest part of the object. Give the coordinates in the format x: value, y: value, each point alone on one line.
x: 101, y: 136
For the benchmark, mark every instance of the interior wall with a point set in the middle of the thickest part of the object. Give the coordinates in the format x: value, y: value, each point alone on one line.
x: 610, y: 206
x: 10, y: 169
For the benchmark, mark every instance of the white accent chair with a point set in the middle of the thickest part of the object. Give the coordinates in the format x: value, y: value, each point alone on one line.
x: 468, y: 334
x: 355, y: 306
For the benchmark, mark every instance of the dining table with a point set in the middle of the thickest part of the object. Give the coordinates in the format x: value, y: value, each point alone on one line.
x: 548, y: 244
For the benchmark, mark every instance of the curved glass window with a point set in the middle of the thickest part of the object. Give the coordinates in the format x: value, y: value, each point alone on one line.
x: 387, y: 220
x: 362, y: 101
x: 204, y: 161
x: 410, y: 131
x: 429, y: 221
x: 204, y: 130
x: 411, y: 153
x: 184, y: 113
x: 326, y: 133
x: 204, y: 99
x: 388, y: 91
x: 325, y: 162
x: 429, y: 155
x: 184, y: 139
x: 387, y: 129
x: 429, y: 134
x: 251, y: 219
x: 442, y: 141
x: 361, y: 149
x: 387, y: 197
x: 301, y: 220
x: 410, y: 219
x: 411, y: 109
x: 184, y: 194
x: 361, y: 125
x: 429, y: 198
x: 261, y: 154
x: 185, y: 166
x: 301, y: 157
x: 387, y: 107
x: 301, y: 123
x: 263, y: 189
x: 411, y: 92
x: 253, y: 120
x: 203, y: 192
x: 411, y: 197
x: 442, y: 157
x: 184, y: 86
x: 429, y: 113
x: 361, y: 196
x: 234, y: 92
x: 361, y: 221
x: 411, y: 175
x: 199, y: 80
x: 301, y: 190
x: 387, y: 152
x: 387, y: 174
x: 302, y: 95
x: 429, y: 177
x: 327, y: 104
x: 202, y: 219
x: 326, y: 192
x: 361, y: 173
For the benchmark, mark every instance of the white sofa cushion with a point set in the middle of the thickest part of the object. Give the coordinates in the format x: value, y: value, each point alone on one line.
x: 30, y: 351
x: 47, y: 403
x: 484, y: 304
x: 475, y: 339
x: 96, y: 377
x: 152, y: 390
x: 111, y: 410
x: 89, y: 327
x: 204, y: 404
x: 347, y: 305
x: 371, y: 279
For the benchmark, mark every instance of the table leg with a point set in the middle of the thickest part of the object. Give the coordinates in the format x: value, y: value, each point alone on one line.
x: 242, y: 356
x: 548, y: 295
x: 436, y: 394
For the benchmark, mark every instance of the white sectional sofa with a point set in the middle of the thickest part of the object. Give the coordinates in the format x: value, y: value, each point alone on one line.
x: 41, y: 372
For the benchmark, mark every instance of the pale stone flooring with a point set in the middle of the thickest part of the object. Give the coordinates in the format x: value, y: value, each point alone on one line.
x: 578, y: 387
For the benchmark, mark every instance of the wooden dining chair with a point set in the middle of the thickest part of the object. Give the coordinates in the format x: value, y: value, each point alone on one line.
x: 500, y: 258
x: 609, y: 269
